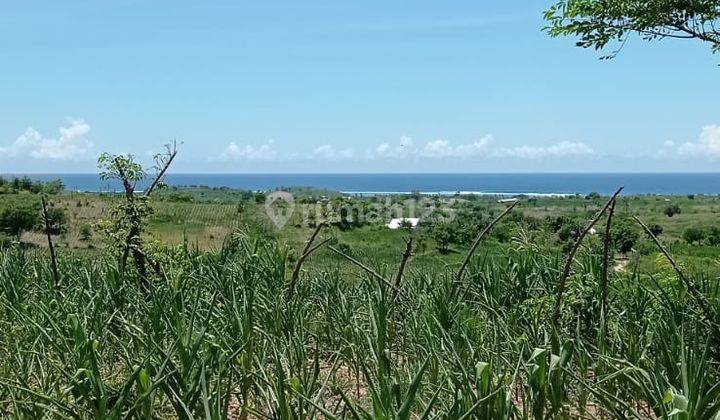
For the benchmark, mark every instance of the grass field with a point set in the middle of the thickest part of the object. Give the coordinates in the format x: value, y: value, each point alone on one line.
x: 220, y: 336
x: 210, y: 216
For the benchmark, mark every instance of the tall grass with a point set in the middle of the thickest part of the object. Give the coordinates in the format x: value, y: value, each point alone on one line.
x: 220, y: 337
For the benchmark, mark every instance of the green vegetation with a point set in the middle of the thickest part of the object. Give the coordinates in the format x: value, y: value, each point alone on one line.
x: 19, y: 216
x: 672, y: 209
x: 597, y: 23
x: 26, y: 185
x: 369, y: 331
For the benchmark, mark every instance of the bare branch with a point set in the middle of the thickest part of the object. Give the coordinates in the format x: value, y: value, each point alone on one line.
x: 606, y: 258
x: 164, y: 162
x: 606, y: 262
x: 53, y: 258
x: 403, y: 263
x: 367, y: 269
x: 694, y: 292
x: 479, y: 238
x: 307, y: 250
x: 571, y: 255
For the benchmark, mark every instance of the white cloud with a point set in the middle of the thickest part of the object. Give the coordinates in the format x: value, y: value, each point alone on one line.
x: 329, y: 152
x: 443, y: 148
x: 435, y: 149
x: 234, y: 151
x: 404, y: 149
x: 483, y: 147
x: 479, y: 147
x: 71, y: 144
x: 707, y: 145
x: 562, y: 149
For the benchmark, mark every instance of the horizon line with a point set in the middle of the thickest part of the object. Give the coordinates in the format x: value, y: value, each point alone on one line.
x: 398, y: 173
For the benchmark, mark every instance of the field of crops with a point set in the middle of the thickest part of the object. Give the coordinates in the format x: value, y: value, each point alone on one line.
x: 219, y: 335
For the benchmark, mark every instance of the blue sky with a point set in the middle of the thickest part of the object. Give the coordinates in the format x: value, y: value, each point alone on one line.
x: 344, y: 86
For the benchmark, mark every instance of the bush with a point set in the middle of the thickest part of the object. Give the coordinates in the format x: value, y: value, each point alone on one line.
x: 443, y: 237
x: 177, y: 197
x: 645, y: 247
x: 503, y: 232
x: 625, y: 233
x: 19, y: 217
x: 85, y: 233
x: 564, y: 225
x: 26, y: 184
x: 713, y: 236
x: 672, y: 210
x: 345, y: 248
x: 655, y: 229
x: 57, y: 220
x: 693, y: 235
x: 406, y: 224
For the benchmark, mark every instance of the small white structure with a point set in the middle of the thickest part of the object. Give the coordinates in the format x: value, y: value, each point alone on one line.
x: 507, y: 200
x: 592, y: 231
x: 398, y: 223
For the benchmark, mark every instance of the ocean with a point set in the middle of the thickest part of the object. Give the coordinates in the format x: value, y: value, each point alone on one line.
x: 478, y: 183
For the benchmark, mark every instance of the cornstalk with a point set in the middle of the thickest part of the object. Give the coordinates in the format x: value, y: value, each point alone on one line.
x: 53, y: 258
x: 606, y: 262
x: 403, y: 263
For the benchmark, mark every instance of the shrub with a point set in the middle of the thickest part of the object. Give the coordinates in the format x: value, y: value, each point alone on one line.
x: 177, y: 197
x: 25, y: 184
x: 503, y: 233
x: 443, y: 237
x: 85, y: 233
x: 655, y: 229
x: 625, y: 233
x: 671, y: 210
x: 57, y: 220
x: 406, y: 224
x: 713, y: 236
x: 693, y: 235
x: 345, y: 248
x: 18, y: 217
x: 555, y: 224
x: 645, y: 247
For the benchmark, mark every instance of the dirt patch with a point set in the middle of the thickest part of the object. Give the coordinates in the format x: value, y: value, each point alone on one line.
x: 621, y: 265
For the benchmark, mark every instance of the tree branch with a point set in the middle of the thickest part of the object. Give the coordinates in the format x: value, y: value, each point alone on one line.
x: 167, y: 161
x: 606, y: 263
x: 694, y: 292
x: 369, y: 270
x: 403, y: 263
x: 53, y: 259
x: 571, y: 256
x: 307, y: 250
x: 479, y: 238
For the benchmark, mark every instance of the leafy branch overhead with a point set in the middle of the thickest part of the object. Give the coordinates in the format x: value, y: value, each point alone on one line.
x: 597, y: 23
